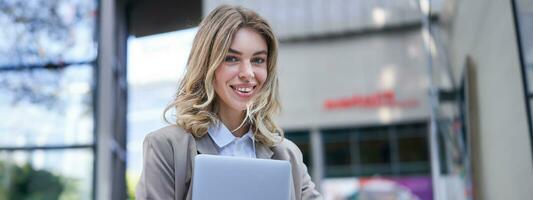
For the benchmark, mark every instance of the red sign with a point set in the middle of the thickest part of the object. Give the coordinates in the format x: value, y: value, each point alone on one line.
x: 376, y: 100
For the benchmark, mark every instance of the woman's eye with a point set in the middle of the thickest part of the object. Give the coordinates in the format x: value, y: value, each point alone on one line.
x: 231, y: 59
x: 258, y: 60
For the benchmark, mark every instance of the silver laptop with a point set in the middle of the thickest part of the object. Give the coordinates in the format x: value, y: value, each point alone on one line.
x: 224, y: 177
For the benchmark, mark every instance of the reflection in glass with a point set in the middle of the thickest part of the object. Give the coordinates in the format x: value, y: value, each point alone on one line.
x: 412, y: 143
x: 413, y: 149
x: 381, y: 150
x: 375, y: 146
x: 337, y: 146
x: 375, y: 151
x: 337, y: 154
x: 50, y: 174
x: 46, y: 107
x: 302, y: 140
x: 43, y: 31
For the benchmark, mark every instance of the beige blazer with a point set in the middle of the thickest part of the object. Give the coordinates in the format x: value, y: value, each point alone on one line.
x: 168, y: 161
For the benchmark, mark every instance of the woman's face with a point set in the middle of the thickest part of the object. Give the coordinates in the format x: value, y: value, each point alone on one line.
x: 243, y: 72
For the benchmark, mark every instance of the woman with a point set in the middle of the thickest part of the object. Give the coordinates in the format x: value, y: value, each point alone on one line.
x: 224, y: 106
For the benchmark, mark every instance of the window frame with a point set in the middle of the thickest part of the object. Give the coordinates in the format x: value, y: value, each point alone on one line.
x: 528, y: 96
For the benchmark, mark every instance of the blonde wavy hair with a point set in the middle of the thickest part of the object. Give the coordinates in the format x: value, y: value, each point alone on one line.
x: 195, y: 102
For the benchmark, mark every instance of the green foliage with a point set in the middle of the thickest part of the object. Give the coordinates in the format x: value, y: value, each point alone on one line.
x: 71, y: 190
x: 27, y: 183
x: 132, y: 180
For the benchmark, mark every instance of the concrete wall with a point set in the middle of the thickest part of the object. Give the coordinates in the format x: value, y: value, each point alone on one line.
x: 312, y: 72
x: 297, y: 19
x: 502, y: 161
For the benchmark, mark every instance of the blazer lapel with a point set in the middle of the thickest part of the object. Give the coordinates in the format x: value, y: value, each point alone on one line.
x: 205, y: 145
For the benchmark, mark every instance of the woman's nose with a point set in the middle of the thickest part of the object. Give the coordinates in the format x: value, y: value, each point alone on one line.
x: 246, y: 71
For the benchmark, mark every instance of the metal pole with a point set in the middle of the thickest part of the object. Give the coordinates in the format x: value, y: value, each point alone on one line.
x: 317, y: 158
x: 105, y: 99
x: 425, y: 10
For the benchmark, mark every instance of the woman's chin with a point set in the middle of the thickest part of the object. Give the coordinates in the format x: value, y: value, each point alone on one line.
x: 239, y: 107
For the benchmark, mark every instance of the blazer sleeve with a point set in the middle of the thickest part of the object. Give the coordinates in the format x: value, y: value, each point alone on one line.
x: 157, y: 177
x: 308, y: 187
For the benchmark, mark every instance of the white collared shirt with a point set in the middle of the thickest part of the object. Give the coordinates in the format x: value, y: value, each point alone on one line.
x: 229, y: 145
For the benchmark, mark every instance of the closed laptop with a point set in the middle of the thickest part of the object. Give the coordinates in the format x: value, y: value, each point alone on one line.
x: 235, y: 178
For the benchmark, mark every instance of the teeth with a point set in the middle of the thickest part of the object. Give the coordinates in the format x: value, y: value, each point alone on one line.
x: 244, y: 89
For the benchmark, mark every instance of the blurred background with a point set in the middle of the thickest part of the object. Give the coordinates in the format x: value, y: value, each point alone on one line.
x: 387, y: 99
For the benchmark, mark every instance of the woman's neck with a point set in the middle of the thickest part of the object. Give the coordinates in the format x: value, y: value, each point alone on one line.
x: 232, y: 120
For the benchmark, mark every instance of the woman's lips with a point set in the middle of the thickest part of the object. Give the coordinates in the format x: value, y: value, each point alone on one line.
x: 243, y: 90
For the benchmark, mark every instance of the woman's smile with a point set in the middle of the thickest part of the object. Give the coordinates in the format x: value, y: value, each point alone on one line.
x: 244, y: 90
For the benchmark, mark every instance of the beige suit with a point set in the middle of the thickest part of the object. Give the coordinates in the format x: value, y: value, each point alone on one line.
x: 168, y: 160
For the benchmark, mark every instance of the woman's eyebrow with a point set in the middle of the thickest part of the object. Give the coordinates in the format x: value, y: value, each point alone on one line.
x: 256, y: 53
x: 234, y: 51
x: 260, y: 52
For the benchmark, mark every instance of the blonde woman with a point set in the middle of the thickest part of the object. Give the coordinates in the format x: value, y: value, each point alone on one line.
x: 225, y: 105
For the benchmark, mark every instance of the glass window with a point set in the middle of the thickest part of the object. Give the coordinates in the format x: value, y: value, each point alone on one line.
x: 379, y: 150
x: 374, y: 146
x: 47, y: 80
x: 50, y: 174
x: 155, y: 66
x: 55, y: 107
x: 412, y: 143
x: 302, y: 140
x: 413, y: 155
x: 337, y: 147
x: 413, y: 149
x: 375, y: 151
x: 43, y: 31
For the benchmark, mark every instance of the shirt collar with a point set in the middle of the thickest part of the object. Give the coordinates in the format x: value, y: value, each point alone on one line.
x: 222, y: 136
